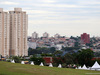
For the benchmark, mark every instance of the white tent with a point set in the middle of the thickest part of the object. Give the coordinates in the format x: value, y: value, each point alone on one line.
x: 89, y: 68
x: 50, y: 65
x: 22, y: 62
x: 79, y: 67
x: 84, y: 67
x: 76, y: 68
x: 32, y: 63
x: 12, y: 61
x: 95, y: 66
x: 59, y: 66
x: 41, y: 64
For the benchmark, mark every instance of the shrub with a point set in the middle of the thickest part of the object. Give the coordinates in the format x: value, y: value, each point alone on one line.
x: 16, y: 59
x: 36, y: 60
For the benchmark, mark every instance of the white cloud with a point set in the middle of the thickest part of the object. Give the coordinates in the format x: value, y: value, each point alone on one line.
x: 56, y: 5
x: 48, y: 1
x: 37, y: 11
x: 75, y: 27
x: 64, y: 5
x: 89, y: 2
x: 9, y: 3
x: 81, y: 22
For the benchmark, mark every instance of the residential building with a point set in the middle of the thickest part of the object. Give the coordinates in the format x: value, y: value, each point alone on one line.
x: 32, y: 45
x: 13, y: 33
x: 85, y: 38
x: 35, y: 35
x: 46, y: 35
x: 56, y: 35
x: 4, y: 33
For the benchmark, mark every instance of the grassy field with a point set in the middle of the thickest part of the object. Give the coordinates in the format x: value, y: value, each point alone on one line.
x: 7, y: 68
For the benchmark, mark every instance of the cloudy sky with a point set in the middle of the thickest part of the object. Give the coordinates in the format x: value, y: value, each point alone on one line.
x: 66, y: 17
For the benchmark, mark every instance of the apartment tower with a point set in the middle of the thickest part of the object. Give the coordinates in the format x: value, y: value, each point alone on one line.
x: 35, y: 35
x: 16, y: 33
x: 4, y: 33
x: 45, y: 35
x: 85, y: 38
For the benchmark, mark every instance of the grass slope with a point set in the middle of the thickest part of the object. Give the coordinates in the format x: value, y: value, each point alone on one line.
x: 7, y: 68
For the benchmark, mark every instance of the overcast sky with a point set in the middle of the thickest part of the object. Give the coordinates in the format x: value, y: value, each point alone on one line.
x: 66, y: 17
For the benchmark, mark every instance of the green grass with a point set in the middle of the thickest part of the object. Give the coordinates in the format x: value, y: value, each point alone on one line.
x: 7, y: 68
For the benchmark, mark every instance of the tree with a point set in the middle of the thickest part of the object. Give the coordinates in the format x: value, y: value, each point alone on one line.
x: 36, y: 60
x: 85, y: 56
x: 52, y: 49
x: 16, y: 59
x: 70, y: 48
x: 57, y: 61
x: 97, y: 54
x: 68, y: 58
x: 41, y: 50
x: 76, y: 44
x: 57, y: 53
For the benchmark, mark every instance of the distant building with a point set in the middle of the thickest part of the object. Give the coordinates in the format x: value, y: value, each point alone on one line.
x: 96, y: 50
x: 56, y: 36
x: 46, y: 35
x: 85, y: 38
x: 35, y: 35
x: 32, y: 45
x: 59, y: 46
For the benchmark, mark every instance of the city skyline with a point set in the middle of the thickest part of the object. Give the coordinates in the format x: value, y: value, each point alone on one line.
x: 35, y: 35
x: 68, y: 18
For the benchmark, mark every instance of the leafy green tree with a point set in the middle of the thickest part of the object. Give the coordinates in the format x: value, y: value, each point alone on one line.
x: 85, y: 56
x: 57, y: 53
x: 52, y: 49
x: 16, y: 59
x: 41, y: 50
x: 70, y: 48
x: 97, y: 54
x: 36, y: 60
x: 57, y: 61
x: 68, y: 58
x: 76, y: 44
x: 45, y: 54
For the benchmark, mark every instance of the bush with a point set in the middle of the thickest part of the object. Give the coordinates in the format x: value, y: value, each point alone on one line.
x: 8, y: 60
x: 16, y: 59
x: 46, y: 54
x: 55, y: 64
x: 64, y: 65
x: 37, y: 61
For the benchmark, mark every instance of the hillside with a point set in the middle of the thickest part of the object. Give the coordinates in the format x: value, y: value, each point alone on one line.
x: 7, y: 68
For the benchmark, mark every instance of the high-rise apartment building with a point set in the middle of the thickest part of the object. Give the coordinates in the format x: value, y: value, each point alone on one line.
x: 85, y: 38
x: 46, y: 35
x: 56, y: 35
x: 4, y: 32
x: 14, y: 26
x: 35, y: 35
